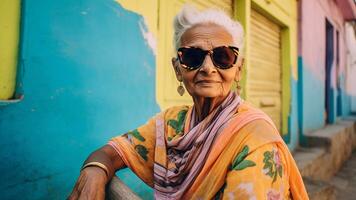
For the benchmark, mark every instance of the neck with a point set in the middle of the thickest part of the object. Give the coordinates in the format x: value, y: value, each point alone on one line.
x: 204, y: 105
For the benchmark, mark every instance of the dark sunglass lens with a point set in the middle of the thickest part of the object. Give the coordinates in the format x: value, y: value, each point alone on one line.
x: 192, y: 57
x: 224, y: 57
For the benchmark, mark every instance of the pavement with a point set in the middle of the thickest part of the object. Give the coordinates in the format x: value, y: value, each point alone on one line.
x: 345, y: 180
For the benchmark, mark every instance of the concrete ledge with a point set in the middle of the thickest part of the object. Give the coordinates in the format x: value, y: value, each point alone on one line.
x: 334, y: 143
x: 308, y: 160
x: 352, y: 119
x: 117, y: 190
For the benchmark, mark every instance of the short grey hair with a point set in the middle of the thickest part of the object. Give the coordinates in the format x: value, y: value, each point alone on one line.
x: 189, y: 16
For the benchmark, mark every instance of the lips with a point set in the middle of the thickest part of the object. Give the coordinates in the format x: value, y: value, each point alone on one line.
x: 206, y: 81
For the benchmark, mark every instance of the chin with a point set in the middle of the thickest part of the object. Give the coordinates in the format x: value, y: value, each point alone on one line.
x: 209, y: 94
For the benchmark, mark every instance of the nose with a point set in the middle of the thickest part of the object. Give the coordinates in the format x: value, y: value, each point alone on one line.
x: 208, y: 66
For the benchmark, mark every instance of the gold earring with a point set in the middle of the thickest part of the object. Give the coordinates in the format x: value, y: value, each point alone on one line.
x: 238, y: 87
x: 180, y: 89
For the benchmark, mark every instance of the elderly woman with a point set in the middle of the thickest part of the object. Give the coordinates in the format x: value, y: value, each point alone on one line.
x: 221, y: 147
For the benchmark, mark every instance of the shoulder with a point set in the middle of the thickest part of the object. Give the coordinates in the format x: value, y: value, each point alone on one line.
x: 261, y: 130
x: 256, y: 134
x: 248, y: 107
x: 259, y: 124
x: 175, y: 111
x: 258, y: 130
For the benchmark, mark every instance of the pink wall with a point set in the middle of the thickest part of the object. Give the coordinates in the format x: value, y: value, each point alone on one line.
x: 351, y: 61
x: 312, y: 39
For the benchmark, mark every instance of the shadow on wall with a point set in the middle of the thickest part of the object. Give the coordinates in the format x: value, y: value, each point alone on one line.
x: 89, y: 76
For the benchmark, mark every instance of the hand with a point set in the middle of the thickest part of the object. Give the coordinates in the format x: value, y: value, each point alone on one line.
x: 90, y: 185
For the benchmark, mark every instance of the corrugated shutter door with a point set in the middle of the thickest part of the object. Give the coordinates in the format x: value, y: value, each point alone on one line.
x: 264, y: 75
x: 167, y: 83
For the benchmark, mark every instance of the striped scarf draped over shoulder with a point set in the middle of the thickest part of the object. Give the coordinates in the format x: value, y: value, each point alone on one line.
x: 178, y: 162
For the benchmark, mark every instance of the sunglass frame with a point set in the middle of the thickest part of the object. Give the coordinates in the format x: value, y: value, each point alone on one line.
x: 210, y: 52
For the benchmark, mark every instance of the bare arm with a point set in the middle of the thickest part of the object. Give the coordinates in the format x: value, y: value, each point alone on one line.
x: 92, y: 180
x: 107, y: 156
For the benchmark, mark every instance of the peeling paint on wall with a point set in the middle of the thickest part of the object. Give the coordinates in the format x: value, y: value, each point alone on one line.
x: 146, y: 9
x: 149, y: 37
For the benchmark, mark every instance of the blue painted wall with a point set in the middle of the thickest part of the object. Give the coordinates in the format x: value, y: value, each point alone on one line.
x: 88, y: 75
x: 311, y: 99
x: 344, y: 97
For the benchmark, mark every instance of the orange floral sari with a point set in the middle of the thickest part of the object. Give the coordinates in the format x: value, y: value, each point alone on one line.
x: 248, y: 160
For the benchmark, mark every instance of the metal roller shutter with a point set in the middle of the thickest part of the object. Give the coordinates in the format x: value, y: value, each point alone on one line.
x: 264, y: 75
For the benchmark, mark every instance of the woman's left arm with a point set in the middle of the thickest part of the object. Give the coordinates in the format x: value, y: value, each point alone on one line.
x: 97, y: 170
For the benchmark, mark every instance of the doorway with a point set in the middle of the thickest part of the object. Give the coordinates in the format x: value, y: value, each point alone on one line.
x: 329, y: 57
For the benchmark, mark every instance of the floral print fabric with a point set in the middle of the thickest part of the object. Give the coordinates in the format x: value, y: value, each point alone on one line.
x: 256, y: 181
x: 254, y: 163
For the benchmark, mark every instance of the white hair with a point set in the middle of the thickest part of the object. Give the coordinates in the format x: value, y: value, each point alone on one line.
x: 189, y: 16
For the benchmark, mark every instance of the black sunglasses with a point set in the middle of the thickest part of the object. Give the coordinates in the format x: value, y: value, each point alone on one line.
x: 223, y: 57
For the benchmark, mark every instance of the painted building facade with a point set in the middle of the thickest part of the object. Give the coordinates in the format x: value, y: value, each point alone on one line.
x: 85, y: 71
x: 322, y: 62
x: 350, y: 33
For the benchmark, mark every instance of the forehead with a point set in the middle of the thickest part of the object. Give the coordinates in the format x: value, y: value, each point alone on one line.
x: 207, y: 35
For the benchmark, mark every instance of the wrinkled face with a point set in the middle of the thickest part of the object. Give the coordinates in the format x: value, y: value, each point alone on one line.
x: 208, y: 80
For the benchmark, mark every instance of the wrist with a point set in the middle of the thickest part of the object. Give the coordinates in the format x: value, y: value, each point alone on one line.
x: 95, y: 174
x: 103, y: 167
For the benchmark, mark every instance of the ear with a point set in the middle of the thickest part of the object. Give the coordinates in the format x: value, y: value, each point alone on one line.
x: 175, y: 64
x: 239, y: 64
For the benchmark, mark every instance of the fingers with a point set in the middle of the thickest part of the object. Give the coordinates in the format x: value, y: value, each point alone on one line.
x: 89, y: 185
x: 74, y: 195
x: 76, y: 189
x: 81, y: 181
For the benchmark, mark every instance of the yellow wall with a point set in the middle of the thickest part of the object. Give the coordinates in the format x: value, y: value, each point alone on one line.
x: 9, y: 39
